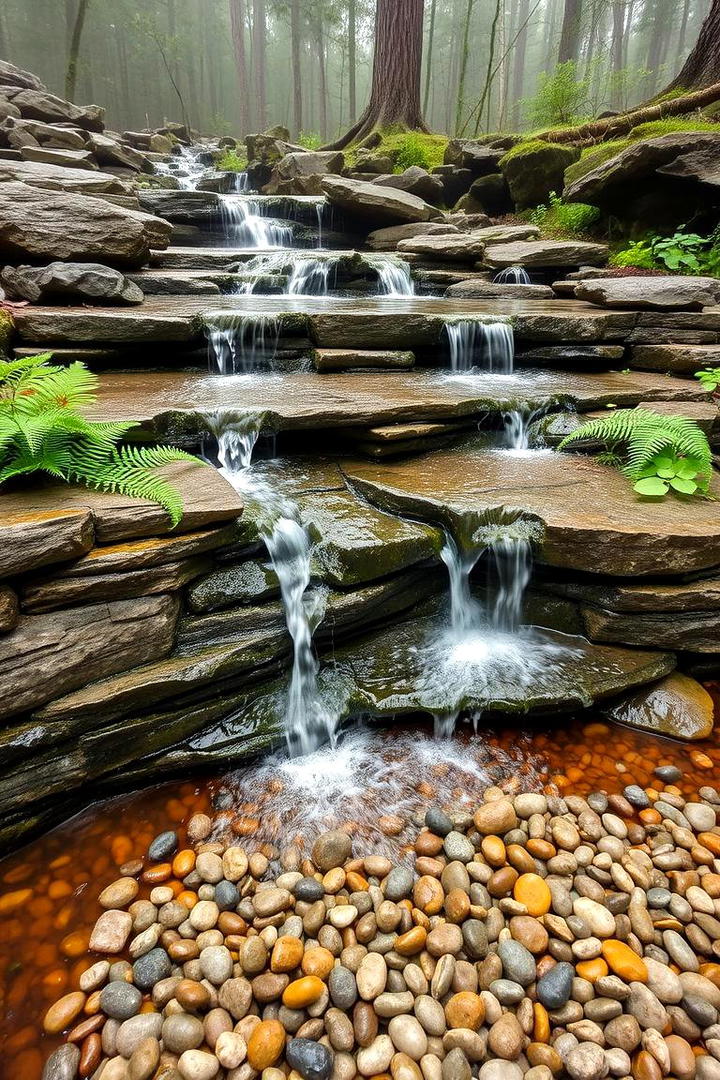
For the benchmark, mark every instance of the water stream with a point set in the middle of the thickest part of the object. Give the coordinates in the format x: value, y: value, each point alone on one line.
x: 512, y: 275
x: 244, y: 227
x: 241, y: 344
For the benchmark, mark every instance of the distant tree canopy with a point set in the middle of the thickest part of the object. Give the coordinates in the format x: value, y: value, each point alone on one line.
x: 232, y: 66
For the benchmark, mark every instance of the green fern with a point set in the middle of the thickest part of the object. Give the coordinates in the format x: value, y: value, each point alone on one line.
x: 650, y: 441
x: 42, y: 431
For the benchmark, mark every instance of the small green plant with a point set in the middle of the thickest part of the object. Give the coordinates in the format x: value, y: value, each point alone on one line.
x: 709, y: 379
x: 658, y: 453
x: 412, y: 151
x: 41, y: 430
x: 231, y: 161
x: 638, y: 253
x: 561, y: 99
x: 681, y: 253
x: 556, y: 216
x: 311, y: 140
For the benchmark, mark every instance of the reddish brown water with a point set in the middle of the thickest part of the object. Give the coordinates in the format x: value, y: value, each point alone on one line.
x: 48, y: 891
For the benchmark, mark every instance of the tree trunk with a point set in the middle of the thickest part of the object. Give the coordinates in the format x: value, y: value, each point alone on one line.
x: 683, y: 27
x: 322, y: 77
x: 463, y: 66
x: 258, y: 53
x: 613, y: 127
x: 395, y: 93
x: 518, y: 82
x: 237, y: 33
x: 352, y: 61
x: 428, y: 58
x: 570, y: 33
x: 618, y: 34
x: 295, y: 36
x: 702, y: 67
x: 74, y: 52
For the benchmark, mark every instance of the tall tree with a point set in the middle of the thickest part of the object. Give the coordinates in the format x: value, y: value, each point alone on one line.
x: 258, y: 54
x: 295, y: 46
x: 322, y: 73
x: 570, y: 33
x: 395, y: 93
x: 237, y: 33
x: 71, y: 71
x: 520, y: 51
x: 428, y: 56
x: 463, y: 65
x: 702, y: 67
x: 352, y: 59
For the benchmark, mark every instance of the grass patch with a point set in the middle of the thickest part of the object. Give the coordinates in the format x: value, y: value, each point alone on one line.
x: 407, y: 148
x: 231, y: 161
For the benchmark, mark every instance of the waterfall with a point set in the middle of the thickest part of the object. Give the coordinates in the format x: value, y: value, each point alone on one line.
x: 512, y: 568
x: 394, y: 277
x: 483, y: 346
x: 246, y: 344
x: 309, y: 277
x: 320, y: 211
x: 512, y: 275
x: 242, y: 183
x: 308, y: 724
x: 515, y: 433
x: 244, y: 227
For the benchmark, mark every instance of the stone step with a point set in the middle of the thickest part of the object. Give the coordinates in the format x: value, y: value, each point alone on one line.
x: 677, y: 359
x: 337, y: 323
x: 180, y: 257
x: 344, y: 359
x: 587, y: 514
x: 175, y: 404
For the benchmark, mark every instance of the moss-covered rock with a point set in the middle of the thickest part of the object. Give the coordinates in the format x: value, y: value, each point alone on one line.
x: 593, y: 156
x: 489, y: 195
x: 534, y: 168
x: 6, y: 329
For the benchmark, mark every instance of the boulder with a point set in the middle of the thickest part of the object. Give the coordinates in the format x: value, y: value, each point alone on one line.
x: 475, y: 289
x: 377, y: 164
x: 375, y: 202
x: 8, y: 110
x: 388, y: 239
x: 507, y: 234
x: 651, y: 293
x: 310, y: 163
x: 489, y: 193
x: 458, y: 247
x: 73, y: 159
x: 109, y: 151
x: 184, y: 207
x: 65, y: 138
x: 455, y: 182
x: 73, y: 282
x: 41, y: 105
x: 677, y: 706
x: 15, y: 76
x: 416, y: 181
x: 469, y: 154
x: 702, y: 165
x: 544, y: 253
x: 637, y: 183
x: 43, y: 226
x: 57, y: 178
x: 536, y: 168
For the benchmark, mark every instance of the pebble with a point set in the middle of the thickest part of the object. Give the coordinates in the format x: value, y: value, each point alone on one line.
x: 120, y: 1000
x: 518, y: 963
x: 438, y: 821
x: 163, y: 846
x: 63, y: 1063
x: 331, y: 849
x: 555, y: 986
x: 586, y: 1062
x: 111, y: 932
x: 198, y: 1065
x: 311, y: 1059
x: 151, y: 968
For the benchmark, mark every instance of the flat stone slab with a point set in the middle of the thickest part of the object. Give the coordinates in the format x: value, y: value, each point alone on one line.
x: 176, y: 405
x: 670, y: 293
x: 588, y: 516
x: 677, y: 359
x: 344, y: 359
x: 545, y: 253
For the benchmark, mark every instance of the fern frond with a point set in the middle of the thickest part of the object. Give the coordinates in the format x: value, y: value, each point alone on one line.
x: 616, y: 427
x: 646, y: 434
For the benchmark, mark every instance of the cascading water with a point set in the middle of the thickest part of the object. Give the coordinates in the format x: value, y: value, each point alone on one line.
x: 394, y: 276
x: 241, y: 344
x: 477, y: 346
x: 244, y: 227
x: 307, y: 274
x: 308, y: 724
x: 512, y: 275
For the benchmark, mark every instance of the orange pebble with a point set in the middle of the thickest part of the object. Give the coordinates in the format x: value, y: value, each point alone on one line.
x: 183, y: 863
x: 533, y: 891
x: 592, y: 970
x: 623, y: 961
x: 541, y: 1023
x: 303, y: 992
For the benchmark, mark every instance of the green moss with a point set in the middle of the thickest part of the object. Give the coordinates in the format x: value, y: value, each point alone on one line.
x: 407, y: 148
x: 6, y: 329
x: 593, y: 156
x: 669, y: 125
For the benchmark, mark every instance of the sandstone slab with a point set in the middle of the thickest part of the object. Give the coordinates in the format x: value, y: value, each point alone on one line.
x: 544, y: 253
x: 653, y: 293
x: 677, y: 706
x: 79, y: 282
x: 675, y: 359
x: 375, y: 202
x: 387, y: 239
x: 58, y: 178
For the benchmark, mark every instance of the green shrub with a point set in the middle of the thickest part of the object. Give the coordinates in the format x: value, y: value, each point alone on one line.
x: 231, y: 161
x: 660, y: 453
x: 407, y: 146
x: 709, y: 379
x: 41, y: 430
x: 412, y: 151
x: 561, y: 99
x: 565, y: 219
x: 639, y: 254
x: 310, y: 140
x: 681, y: 253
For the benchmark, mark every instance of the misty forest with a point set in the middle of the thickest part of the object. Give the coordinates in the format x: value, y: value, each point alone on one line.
x: 359, y: 539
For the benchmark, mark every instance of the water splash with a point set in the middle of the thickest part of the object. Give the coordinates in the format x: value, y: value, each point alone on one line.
x: 244, y: 226
x: 393, y: 274
x: 512, y: 275
x: 241, y: 344
x: 308, y: 723
x: 481, y: 346
x: 186, y: 167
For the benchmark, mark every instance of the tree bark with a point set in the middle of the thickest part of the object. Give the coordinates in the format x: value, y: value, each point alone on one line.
x: 518, y: 82
x: 618, y: 34
x: 395, y: 93
x: 74, y: 51
x: 683, y: 26
x: 428, y: 58
x: 352, y: 61
x: 570, y: 32
x: 463, y: 65
x: 322, y: 77
x: 613, y: 127
x: 702, y: 67
x: 258, y: 53
x: 237, y: 33
x: 295, y: 36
